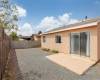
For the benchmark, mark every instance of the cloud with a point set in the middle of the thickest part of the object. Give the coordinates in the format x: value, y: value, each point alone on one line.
x: 48, y: 23
x: 26, y: 30
x: 21, y: 11
x: 66, y: 19
x: 97, y: 2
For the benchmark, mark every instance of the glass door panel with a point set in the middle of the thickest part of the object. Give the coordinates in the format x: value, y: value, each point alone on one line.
x: 75, y: 45
x: 84, y: 43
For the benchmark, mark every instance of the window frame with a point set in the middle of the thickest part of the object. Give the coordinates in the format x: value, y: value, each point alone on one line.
x: 58, y: 39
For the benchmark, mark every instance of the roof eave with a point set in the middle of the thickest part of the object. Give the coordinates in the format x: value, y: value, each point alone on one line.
x: 75, y: 27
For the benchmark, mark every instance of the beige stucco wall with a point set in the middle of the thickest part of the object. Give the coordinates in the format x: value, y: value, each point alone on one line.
x: 37, y: 38
x: 64, y: 47
x: 98, y: 28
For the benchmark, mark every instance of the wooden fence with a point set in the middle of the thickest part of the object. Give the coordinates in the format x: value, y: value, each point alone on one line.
x: 9, y: 69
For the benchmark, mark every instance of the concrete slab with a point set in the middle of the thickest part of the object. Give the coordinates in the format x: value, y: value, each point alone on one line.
x: 74, y: 63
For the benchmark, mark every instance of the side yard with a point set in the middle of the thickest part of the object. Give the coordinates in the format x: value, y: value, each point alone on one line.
x: 35, y: 66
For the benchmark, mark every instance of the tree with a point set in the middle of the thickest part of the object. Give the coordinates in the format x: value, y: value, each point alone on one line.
x: 8, y: 15
x: 14, y: 36
x: 40, y: 32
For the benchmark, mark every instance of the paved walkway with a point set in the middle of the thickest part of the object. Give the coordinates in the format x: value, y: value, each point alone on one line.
x: 35, y: 66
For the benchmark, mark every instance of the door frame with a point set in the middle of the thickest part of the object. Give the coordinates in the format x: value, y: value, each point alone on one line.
x: 78, y: 33
x: 87, y: 52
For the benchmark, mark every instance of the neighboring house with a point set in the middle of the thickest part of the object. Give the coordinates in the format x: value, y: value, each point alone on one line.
x: 25, y: 38
x: 36, y: 37
x: 82, y: 39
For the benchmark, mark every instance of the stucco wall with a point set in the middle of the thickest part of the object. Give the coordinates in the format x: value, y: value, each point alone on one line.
x: 64, y: 47
x: 98, y: 40
x: 51, y: 44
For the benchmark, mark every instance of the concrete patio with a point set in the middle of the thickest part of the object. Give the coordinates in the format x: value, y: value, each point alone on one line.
x: 74, y: 63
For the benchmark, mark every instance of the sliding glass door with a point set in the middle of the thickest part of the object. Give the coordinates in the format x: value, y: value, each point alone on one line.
x: 80, y: 43
x: 75, y: 45
x: 84, y: 43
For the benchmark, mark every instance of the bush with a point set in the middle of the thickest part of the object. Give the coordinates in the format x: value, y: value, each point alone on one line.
x: 45, y: 49
x: 55, y: 51
x: 14, y: 36
x: 48, y: 50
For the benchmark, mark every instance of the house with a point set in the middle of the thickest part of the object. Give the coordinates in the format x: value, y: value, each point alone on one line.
x: 25, y: 38
x: 81, y: 39
x: 36, y: 37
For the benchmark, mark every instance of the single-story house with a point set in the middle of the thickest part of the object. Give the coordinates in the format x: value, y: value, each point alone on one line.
x: 36, y: 37
x: 25, y: 38
x: 81, y: 39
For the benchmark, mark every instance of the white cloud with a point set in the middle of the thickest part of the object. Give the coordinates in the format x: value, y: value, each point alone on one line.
x: 48, y: 23
x: 97, y: 2
x: 26, y: 30
x: 21, y: 11
x: 65, y: 18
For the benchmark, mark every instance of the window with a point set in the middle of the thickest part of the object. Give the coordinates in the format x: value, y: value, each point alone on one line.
x: 58, y: 39
x: 44, y: 39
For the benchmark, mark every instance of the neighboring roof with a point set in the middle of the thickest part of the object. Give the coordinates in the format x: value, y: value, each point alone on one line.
x: 36, y: 34
x: 25, y: 37
x: 83, y: 22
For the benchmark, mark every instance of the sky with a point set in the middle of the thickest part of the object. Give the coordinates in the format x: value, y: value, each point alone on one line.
x: 36, y: 15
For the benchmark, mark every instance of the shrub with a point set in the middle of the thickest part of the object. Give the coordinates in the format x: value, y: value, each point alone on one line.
x: 14, y: 36
x: 55, y: 51
x: 45, y: 49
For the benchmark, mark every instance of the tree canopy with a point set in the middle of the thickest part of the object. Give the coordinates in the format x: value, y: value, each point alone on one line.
x: 8, y: 15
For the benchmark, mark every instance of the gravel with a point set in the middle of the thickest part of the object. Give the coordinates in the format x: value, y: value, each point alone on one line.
x: 35, y: 66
